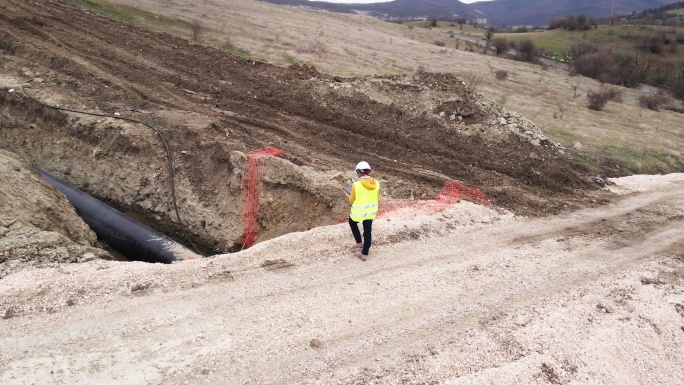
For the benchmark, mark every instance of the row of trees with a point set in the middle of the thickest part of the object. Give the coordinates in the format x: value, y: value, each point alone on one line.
x: 658, y: 16
x: 574, y: 23
x: 627, y: 69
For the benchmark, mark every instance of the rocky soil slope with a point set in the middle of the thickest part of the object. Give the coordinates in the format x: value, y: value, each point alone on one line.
x: 212, y: 108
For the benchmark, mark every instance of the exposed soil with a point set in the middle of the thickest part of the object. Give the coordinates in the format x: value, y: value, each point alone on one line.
x: 416, y: 131
x: 558, y: 282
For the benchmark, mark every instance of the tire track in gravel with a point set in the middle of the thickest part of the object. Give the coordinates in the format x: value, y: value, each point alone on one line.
x: 261, y: 326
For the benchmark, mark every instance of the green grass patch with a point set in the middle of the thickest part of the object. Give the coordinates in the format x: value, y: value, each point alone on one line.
x: 679, y: 12
x: 618, y: 38
x: 243, y: 53
x: 632, y: 160
x: 131, y: 15
x: 561, y: 136
x: 635, y: 160
x: 114, y: 11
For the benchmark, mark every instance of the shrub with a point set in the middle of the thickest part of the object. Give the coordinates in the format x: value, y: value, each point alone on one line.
x: 593, y: 64
x: 314, y: 48
x: 652, y: 101
x: 500, y: 45
x: 597, y: 100
x: 625, y: 69
x: 666, y: 73
x: 678, y: 89
x: 438, y: 43
x: 613, y: 94
x: 578, y: 50
x: 653, y: 44
x: 420, y: 70
x: 679, y: 38
x: 501, y: 74
x: 561, y: 111
x: 196, y: 30
x: 472, y: 80
x: 527, y: 51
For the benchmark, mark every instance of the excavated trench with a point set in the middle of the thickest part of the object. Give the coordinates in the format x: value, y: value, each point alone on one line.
x: 213, y: 108
x: 123, y: 165
x: 129, y: 237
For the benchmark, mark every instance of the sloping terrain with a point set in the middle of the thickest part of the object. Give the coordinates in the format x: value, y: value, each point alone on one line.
x: 417, y: 131
x: 558, y: 282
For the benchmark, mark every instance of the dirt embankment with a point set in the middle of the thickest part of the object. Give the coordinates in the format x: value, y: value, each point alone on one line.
x: 211, y: 107
x: 471, y: 294
x: 38, y: 227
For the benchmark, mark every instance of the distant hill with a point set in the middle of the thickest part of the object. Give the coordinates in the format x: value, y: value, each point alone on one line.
x: 497, y: 12
x: 540, y: 12
x: 393, y: 10
x: 669, y: 15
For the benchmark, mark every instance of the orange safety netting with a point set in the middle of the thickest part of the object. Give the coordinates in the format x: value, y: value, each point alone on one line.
x: 251, y: 190
x: 452, y: 192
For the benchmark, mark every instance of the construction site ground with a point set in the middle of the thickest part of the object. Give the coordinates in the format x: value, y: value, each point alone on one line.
x: 562, y: 276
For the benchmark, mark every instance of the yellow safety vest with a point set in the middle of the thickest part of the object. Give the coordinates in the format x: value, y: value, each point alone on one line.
x: 365, y: 205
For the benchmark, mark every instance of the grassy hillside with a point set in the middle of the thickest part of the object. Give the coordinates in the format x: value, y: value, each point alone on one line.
x: 353, y: 45
x: 541, y: 12
x: 616, y: 37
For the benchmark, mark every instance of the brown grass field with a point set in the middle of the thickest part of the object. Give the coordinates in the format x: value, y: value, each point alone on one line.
x: 643, y: 141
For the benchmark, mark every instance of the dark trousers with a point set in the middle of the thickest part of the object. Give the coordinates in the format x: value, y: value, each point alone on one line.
x: 367, y: 233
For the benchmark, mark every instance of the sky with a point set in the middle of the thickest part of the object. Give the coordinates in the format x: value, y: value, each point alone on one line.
x: 378, y: 1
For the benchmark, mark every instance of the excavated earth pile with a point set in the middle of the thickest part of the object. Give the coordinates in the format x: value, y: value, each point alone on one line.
x: 417, y: 131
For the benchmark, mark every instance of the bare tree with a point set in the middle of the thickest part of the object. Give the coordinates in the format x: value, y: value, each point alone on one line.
x: 472, y: 80
x: 562, y: 107
x: 500, y: 45
x: 196, y: 30
x: 527, y: 52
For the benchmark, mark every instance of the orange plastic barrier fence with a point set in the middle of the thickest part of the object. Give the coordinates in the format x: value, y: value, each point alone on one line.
x: 252, y: 182
x: 452, y: 192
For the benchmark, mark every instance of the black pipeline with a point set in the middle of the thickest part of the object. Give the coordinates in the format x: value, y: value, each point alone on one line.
x: 129, y: 237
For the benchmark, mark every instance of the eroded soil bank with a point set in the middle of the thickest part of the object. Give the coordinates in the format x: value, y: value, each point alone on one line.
x: 212, y: 108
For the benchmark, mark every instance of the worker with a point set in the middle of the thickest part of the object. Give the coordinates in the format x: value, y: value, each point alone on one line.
x: 364, y: 199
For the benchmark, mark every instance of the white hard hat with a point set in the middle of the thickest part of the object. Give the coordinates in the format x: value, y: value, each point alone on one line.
x: 363, y: 166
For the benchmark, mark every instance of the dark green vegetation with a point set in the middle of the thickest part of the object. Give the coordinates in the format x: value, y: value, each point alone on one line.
x: 626, y: 51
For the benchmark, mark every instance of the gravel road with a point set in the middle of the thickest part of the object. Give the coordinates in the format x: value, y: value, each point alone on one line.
x: 468, y: 295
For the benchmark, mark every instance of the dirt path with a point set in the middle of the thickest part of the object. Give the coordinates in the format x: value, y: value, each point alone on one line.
x: 468, y: 295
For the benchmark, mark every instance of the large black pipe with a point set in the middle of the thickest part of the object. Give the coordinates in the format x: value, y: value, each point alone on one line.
x: 129, y: 237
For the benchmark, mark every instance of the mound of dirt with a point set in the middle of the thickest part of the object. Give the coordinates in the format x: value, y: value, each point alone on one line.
x: 149, y: 90
x: 38, y: 227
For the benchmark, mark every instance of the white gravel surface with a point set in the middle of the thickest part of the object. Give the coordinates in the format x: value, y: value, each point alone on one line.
x: 468, y: 295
